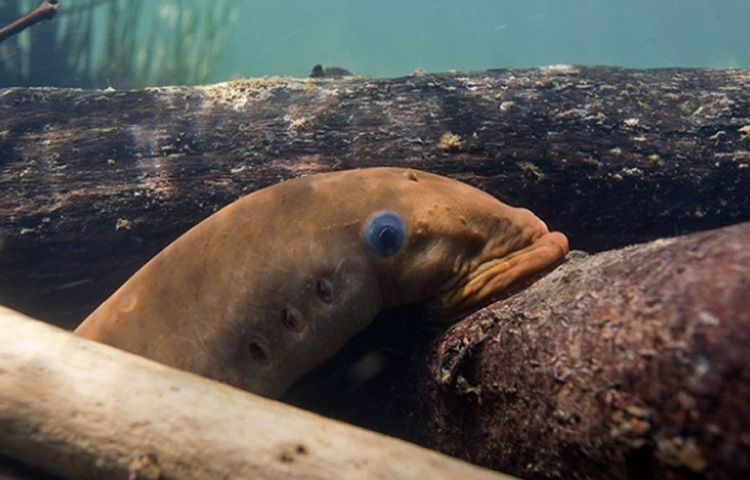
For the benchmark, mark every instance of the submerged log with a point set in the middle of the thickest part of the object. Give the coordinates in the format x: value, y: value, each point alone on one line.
x: 96, y: 182
x: 84, y: 410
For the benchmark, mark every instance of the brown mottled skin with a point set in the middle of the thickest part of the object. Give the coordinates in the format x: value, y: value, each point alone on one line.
x: 275, y: 283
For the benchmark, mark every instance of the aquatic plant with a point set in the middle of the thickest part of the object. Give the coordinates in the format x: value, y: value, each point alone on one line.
x: 119, y: 43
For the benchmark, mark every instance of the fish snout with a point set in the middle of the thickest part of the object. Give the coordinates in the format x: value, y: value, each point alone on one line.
x: 524, y: 248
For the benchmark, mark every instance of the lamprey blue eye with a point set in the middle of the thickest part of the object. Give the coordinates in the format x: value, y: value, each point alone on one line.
x: 385, y: 235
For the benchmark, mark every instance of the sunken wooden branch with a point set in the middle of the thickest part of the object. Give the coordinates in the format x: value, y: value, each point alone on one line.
x: 45, y: 11
x: 633, y: 363
x: 84, y: 410
x: 95, y: 182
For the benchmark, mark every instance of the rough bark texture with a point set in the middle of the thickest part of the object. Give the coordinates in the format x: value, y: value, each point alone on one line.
x: 84, y: 410
x: 627, y: 364
x: 96, y: 182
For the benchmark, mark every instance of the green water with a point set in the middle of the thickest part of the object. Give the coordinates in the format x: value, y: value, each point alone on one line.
x: 137, y: 43
x: 394, y: 37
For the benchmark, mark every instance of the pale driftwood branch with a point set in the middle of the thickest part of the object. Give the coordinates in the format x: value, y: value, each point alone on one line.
x: 88, y: 411
x: 96, y: 182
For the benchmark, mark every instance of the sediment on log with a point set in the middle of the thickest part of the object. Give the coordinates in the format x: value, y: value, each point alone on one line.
x: 84, y: 410
x: 96, y: 182
x: 627, y: 364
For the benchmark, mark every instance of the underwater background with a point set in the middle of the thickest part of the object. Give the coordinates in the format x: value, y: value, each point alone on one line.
x: 137, y: 43
x: 635, y: 358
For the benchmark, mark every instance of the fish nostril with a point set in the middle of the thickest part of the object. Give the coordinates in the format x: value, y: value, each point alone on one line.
x: 290, y: 318
x: 258, y: 354
x: 325, y: 290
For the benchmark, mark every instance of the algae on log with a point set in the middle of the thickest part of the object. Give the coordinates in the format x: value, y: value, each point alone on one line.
x: 96, y: 182
x: 631, y: 363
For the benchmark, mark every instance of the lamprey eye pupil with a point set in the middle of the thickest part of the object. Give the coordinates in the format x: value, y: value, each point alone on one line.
x: 389, y: 238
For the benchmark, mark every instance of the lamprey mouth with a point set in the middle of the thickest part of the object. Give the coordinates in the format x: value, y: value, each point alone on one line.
x: 496, y: 274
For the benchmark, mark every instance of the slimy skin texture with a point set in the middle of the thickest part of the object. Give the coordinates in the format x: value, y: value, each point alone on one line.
x: 270, y: 286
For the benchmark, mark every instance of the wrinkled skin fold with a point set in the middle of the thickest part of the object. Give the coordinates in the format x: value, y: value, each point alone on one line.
x: 275, y: 283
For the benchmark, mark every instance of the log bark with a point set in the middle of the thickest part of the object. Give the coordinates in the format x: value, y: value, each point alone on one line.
x: 633, y: 363
x: 628, y: 364
x: 84, y: 410
x: 96, y: 182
